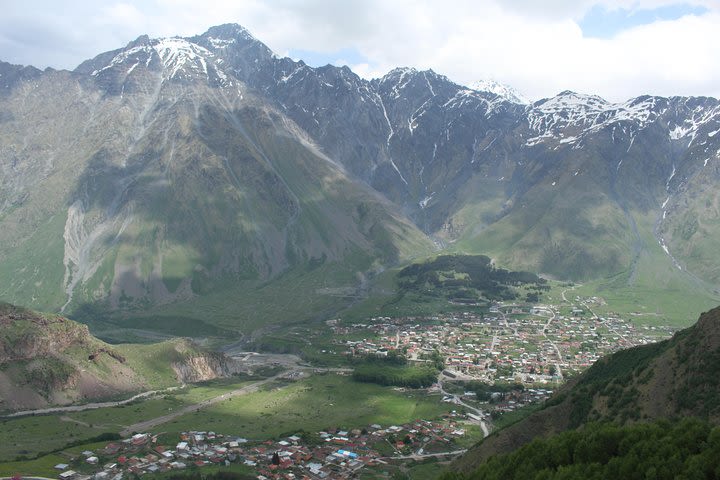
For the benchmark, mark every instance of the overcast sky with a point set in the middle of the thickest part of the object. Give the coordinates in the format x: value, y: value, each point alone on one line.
x: 615, y: 48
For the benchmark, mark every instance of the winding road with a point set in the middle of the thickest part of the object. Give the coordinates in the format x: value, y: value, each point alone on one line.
x: 415, y: 456
x: 457, y: 400
x: 88, y: 406
x: 554, y: 345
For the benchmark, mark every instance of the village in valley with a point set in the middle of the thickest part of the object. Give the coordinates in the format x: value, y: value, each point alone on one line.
x: 533, y: 348
x: 505, y: 358
x: 327, y: 454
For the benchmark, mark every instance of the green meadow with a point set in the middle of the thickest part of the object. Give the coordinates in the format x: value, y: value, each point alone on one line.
x: 34, y: 444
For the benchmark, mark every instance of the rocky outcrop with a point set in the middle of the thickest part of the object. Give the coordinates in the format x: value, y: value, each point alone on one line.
x: 48, y: 360
x: 26, y: 335
x: 205, y: 366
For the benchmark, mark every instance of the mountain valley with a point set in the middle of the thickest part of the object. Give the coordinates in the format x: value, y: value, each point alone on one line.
x: 243, y: 256
x: 159, y: 176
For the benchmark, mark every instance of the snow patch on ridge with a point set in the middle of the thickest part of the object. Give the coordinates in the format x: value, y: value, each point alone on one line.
x: 691, y: 126
x: 221, y: 42
x: 178, y: 54
x: 424, y: 202
x: 122, y: 57
x: 581, y: 114
x: 503, y: 91
x: 179, y: 57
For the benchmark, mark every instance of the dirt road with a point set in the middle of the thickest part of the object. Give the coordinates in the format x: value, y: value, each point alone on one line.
x: 153, y: 422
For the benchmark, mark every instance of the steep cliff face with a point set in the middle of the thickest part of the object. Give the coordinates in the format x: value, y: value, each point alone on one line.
x: 204, y: 366
x: 153, y: 174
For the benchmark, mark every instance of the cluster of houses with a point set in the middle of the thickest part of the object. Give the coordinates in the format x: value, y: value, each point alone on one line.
x: 508, y: 344
x: 528, y: 345
x: 331, y: 454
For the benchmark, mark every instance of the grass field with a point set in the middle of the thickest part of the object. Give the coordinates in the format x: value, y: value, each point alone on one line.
x: 310, y: 405
x: 206, y: 471
x: 42, y: 467
x: 675, y: 305
x: 29, y: 436
x: 429, y: 470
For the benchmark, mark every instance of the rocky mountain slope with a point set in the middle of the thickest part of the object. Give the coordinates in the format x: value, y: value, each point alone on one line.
x: 49, y: 360
x: 151, y: 175
x: 175, y: 169
x: 672, y: 379
x: 606, y: 183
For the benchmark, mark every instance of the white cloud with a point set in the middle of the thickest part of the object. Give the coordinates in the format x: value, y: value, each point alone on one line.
x: 537, y: 47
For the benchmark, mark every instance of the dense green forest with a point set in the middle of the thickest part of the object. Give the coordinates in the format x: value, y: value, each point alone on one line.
x: 484, y: 392
x: 685, y: 449
x: 467, y: 278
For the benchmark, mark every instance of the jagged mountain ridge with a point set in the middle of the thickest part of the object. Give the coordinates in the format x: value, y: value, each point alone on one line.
x: 572, y: 186
x: 395, y: 133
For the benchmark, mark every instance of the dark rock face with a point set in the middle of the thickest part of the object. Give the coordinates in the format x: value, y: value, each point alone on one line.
x: 11, y: 75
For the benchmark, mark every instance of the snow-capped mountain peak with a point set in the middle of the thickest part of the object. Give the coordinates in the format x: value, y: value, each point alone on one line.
x: 175, y: 57
x: 230, y: 31
x: 504, y: 91
x: 177, y: 53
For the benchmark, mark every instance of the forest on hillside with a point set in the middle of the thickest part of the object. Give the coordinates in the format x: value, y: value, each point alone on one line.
x: 468, y: 278
x: 685, y: 449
